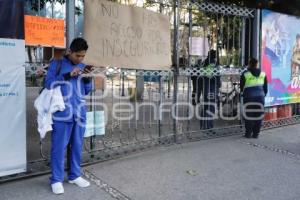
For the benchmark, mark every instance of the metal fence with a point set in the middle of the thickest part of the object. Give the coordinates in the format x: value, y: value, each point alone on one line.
x: 140, y: 113
x: 144, y: 109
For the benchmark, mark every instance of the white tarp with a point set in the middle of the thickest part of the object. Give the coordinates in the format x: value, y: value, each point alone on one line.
x: 13, y: 107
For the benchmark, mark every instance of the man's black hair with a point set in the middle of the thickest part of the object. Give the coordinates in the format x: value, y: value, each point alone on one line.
x: 212, y: 58
x: 79, y: 44
x: 252, y: 63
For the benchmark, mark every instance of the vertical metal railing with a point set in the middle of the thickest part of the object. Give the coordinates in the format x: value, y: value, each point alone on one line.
x: 167, y: 88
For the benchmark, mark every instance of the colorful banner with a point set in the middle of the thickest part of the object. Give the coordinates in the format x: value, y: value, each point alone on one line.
x: 44, y: 31
x: 280, y: 57
x: 126, y: 36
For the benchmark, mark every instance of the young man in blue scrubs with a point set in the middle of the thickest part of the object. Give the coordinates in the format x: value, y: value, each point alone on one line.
x: 69, y: 124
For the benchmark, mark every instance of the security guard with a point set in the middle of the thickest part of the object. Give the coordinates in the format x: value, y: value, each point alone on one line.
x: 69, y: 124
x: 197, y: 82
x: 254, y: 87
x: 209, y: 89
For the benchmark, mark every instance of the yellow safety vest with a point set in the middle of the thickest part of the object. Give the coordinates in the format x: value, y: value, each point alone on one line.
x: 209, y: 70
x: 253, y: 81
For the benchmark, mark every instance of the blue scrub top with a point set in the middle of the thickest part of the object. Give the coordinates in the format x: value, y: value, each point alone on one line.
x: 73, y: 90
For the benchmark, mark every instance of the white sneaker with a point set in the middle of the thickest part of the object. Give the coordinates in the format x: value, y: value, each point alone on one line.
x: 80, y: 182
x: 57, y: 188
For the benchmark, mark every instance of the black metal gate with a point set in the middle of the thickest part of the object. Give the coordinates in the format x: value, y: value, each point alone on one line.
x: 144, y: 109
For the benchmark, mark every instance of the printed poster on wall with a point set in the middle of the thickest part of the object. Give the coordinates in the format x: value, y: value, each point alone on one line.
x: 13, y: 107
x: 199, y: 46
x: 12, y: 88
x: 280, y: 57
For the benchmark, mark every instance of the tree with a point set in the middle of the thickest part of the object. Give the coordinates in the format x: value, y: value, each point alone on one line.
x: 35, y: 5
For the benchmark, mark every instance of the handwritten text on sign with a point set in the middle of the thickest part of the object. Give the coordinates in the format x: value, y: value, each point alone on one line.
x: 126, y: 37
x: 44, y: 31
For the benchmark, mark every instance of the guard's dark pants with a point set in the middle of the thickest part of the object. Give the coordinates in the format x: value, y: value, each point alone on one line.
x: 197, y: 83
x: 253, y: 119
x: 209, y: 91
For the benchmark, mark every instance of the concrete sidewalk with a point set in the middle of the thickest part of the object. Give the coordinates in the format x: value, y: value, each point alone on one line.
x: 231, y: 168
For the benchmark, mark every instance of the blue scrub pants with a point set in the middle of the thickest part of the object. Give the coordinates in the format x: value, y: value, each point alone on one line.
x: 64, y: 133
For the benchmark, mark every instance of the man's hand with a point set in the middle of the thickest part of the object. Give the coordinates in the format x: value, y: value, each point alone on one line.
x: 88, y: 69
x: 40, y: 72
x: 75, y: 72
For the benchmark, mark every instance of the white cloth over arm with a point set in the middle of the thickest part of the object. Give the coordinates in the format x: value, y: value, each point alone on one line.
x: 47, y: 103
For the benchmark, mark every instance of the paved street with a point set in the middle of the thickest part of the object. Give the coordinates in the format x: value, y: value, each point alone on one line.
x: 231, y: 168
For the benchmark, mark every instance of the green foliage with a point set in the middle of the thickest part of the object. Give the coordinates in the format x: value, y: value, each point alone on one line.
x: 35, y: 5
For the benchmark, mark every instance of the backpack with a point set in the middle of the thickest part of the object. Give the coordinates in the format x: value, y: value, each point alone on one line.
x: 58, y: 68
